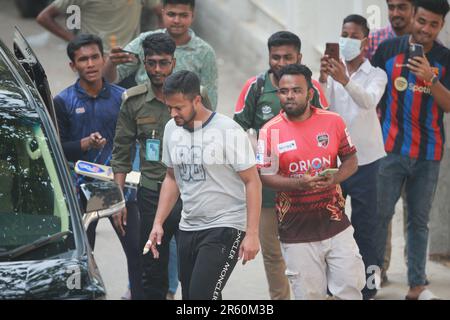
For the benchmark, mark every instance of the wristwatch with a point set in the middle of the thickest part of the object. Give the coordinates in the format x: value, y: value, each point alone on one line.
x: 434, y: 80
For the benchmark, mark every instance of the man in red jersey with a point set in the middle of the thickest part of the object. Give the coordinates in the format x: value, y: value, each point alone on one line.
x: 258, y: 103
x: 296, y: 151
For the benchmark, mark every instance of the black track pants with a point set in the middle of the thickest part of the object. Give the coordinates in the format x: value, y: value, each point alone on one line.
x: 206, y: 259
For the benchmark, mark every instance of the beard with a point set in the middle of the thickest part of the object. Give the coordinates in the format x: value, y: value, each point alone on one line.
x: 157, y: 83
x: 398, y: 23
x: 298, y: 111
x: 181, y: 122
x: 276, y: 74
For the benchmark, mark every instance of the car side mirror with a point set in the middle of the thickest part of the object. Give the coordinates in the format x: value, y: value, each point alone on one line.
x: 103, y: 199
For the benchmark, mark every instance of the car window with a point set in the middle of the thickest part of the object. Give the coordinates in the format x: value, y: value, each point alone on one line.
x: 32, y: 201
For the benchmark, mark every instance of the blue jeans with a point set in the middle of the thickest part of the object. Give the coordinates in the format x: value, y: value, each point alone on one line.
x: 173, y: 267
x: 420, y: 178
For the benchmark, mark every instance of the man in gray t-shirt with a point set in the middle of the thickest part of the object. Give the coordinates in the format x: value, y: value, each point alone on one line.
x: 206, y: 166
x: 211, y: 163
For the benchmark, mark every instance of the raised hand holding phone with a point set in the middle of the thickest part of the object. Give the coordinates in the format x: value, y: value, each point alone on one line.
x: 420, y: 66
x: 332, y: 50
x: 416, y: 50
x: 120, y: 56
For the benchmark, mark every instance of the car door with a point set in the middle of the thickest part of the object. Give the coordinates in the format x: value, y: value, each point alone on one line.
x: 27, y: 58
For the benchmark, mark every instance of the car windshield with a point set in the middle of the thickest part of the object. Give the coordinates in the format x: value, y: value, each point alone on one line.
x: 32, y: 202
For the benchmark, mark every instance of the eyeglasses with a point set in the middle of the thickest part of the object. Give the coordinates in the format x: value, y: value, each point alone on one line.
x: 162, y: 63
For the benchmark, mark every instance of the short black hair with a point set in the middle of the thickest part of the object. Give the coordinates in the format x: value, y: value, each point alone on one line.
x: 174, y: 2
x: 436, y: 6
x: 184, y: 82
x: 296, y: 70
x: 360, y: 21
x: 82, y: 40
x: 284, y: 38
x: 158, y: 43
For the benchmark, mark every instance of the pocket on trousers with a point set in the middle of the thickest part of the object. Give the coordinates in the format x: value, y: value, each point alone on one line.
x: 391, y: 164
x: 231, y: 240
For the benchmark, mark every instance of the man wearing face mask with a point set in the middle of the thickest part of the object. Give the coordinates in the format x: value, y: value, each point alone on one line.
x: 257, y: 104
x: 354, y: 89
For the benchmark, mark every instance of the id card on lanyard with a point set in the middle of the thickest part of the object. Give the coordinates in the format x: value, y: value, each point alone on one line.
x: 152, y: 147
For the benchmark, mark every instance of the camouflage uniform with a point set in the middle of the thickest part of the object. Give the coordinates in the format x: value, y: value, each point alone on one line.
x: 141, y: 117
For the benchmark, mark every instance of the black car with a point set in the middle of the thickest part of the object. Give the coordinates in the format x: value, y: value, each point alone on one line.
x: 44, y: 252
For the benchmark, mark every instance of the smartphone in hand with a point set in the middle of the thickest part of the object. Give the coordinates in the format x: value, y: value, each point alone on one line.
x: 415, y: 50
x: 332, y: 50
x: 328, y: 172
x: 129, y: 52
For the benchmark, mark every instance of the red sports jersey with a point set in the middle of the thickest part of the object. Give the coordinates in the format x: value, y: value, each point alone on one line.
x: 306, y: 147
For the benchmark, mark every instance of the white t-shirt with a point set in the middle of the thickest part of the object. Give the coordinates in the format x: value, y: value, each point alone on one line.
x: 357, y: 103
x: 206, y: 164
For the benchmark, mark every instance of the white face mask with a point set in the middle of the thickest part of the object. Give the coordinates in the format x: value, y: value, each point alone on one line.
x: 350, y: 48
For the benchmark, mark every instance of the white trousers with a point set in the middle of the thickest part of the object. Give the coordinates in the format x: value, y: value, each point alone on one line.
x: 334, y: 263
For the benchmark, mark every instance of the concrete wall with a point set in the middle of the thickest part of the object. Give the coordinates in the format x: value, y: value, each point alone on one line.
x: 440, y: 214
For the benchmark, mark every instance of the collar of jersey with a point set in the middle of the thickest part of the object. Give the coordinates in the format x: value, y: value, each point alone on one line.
x: 105, y: 93
x: 203, y: 125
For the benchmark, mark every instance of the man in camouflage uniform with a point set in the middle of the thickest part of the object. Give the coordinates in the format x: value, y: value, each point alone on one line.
x: 192, y: 52
x: 142, y: 119
x: 258, y: 103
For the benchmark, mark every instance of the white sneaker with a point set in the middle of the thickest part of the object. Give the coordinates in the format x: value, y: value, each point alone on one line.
x: 126, y: 295
x: 170, y: 296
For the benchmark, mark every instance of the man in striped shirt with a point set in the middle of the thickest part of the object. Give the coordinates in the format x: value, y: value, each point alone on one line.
x: 400, y: 13
x: 416, y: 97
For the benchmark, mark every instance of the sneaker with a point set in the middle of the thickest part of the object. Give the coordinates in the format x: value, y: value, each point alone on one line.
x: 424, y: 295
x: 369, y: 295
x: 170, y: 296
x: 127, y: 295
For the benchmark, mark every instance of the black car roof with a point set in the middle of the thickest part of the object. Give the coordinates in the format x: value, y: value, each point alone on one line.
x: 14, y: 94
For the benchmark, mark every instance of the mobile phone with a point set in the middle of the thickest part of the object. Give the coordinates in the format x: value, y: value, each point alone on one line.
x: 332, y: 50
x: 328, y: 172
x: 415, y: 50
x: 129, y: 52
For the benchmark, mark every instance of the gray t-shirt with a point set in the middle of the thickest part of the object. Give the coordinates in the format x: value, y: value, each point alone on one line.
x: 206, y: 163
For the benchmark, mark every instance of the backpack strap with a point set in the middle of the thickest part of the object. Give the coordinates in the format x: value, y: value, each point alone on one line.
x: 259, y: 90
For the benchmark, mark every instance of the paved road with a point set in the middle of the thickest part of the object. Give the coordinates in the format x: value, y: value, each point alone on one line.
x: 247, y: 282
